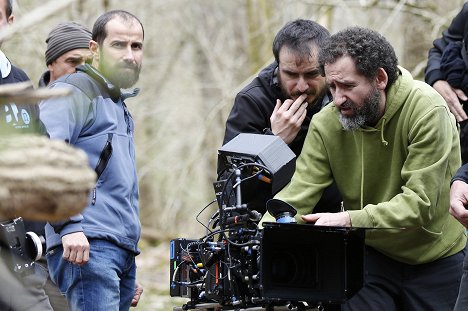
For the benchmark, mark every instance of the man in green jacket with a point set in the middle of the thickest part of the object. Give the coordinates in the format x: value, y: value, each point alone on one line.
x: 391, y: 145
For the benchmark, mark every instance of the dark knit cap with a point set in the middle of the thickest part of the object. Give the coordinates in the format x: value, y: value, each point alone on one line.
x: 65, y: 37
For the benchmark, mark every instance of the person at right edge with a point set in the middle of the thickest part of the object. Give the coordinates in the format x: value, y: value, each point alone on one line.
x: 91, y: 257
x: 281, y: 101
x: 458, y: 209
x: 391, y: 144
x: 456, y: 99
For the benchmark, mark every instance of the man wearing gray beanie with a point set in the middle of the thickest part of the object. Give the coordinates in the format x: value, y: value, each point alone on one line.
x: 67, y: 47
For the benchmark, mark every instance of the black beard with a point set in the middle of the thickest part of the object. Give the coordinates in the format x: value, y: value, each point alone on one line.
x: 367, y: 114
x: 310, y: 92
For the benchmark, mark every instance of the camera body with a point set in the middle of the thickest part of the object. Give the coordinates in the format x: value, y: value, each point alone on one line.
x: 283, y: 263
x: 18, y: 248
x: 237, y: 264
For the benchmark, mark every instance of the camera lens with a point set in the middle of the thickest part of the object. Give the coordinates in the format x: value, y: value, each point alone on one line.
x: 285, y: 218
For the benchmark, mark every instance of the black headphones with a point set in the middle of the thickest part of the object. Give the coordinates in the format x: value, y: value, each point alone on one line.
x: 114, y: 92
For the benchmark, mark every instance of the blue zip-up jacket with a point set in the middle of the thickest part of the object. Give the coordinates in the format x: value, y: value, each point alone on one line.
x: 95, y: 119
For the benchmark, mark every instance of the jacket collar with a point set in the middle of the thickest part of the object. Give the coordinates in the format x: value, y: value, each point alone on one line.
x: 113, y: 91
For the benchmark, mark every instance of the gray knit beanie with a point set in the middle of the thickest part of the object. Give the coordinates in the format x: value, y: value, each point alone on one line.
x: 65, y: 37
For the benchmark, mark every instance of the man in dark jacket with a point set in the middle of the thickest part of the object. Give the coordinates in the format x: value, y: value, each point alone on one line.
x: 443, y: 70
x: 458, y: 209
x: 67, y: 47
x: 457, y: 31
x: 18, y: 118
x: 282, y: 99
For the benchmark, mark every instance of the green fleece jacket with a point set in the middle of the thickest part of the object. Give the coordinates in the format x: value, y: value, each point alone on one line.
x: 394, y: 175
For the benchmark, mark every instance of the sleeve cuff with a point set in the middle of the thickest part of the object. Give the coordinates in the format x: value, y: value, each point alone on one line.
x: 360, y: 219
x: 71, y: 228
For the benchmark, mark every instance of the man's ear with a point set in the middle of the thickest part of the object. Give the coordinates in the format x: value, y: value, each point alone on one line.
x: 10, y: 19
x: 94, y: 48
x: 381, y: 79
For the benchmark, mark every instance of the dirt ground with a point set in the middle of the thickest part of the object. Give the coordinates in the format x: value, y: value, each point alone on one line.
x: 153, y: 274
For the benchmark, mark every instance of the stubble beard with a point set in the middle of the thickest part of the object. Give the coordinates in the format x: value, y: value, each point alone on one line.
x: 119, y: 77
x: 314, y: 93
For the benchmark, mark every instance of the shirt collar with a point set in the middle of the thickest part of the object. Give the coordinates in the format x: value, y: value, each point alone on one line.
x: 5, y: 65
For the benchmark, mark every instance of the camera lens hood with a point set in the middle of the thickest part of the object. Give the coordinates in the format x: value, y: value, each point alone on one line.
x: 282, y: 211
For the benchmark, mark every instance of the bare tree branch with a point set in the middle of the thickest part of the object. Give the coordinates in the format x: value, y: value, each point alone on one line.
x: 41, y: 13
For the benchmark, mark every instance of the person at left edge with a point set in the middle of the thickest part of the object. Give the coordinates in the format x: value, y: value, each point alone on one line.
x: 28, y: 293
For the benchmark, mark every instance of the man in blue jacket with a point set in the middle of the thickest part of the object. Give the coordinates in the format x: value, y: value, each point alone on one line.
x: 91, y: 257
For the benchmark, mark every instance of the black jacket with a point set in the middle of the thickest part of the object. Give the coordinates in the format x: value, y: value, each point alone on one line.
x: 44, y: 79
x: 461, y: 174
x: 255, y: 103
x: 453, y: 67
x: 251, y: 112
x: 448, y: 68
x: 21, y: 119
x: 457, y: 31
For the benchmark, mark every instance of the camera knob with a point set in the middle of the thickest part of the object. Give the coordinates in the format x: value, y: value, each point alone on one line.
x: 35, y: 245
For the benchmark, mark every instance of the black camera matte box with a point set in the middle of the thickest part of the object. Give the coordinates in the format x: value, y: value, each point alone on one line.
x: 303, y: 262
x: 268, y: 150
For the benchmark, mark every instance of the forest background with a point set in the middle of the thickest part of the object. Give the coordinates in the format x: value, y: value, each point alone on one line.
x: 198, y: 55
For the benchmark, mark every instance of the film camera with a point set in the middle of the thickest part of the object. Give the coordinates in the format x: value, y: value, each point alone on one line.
x: 18, y: 248
x: 237, y: 264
